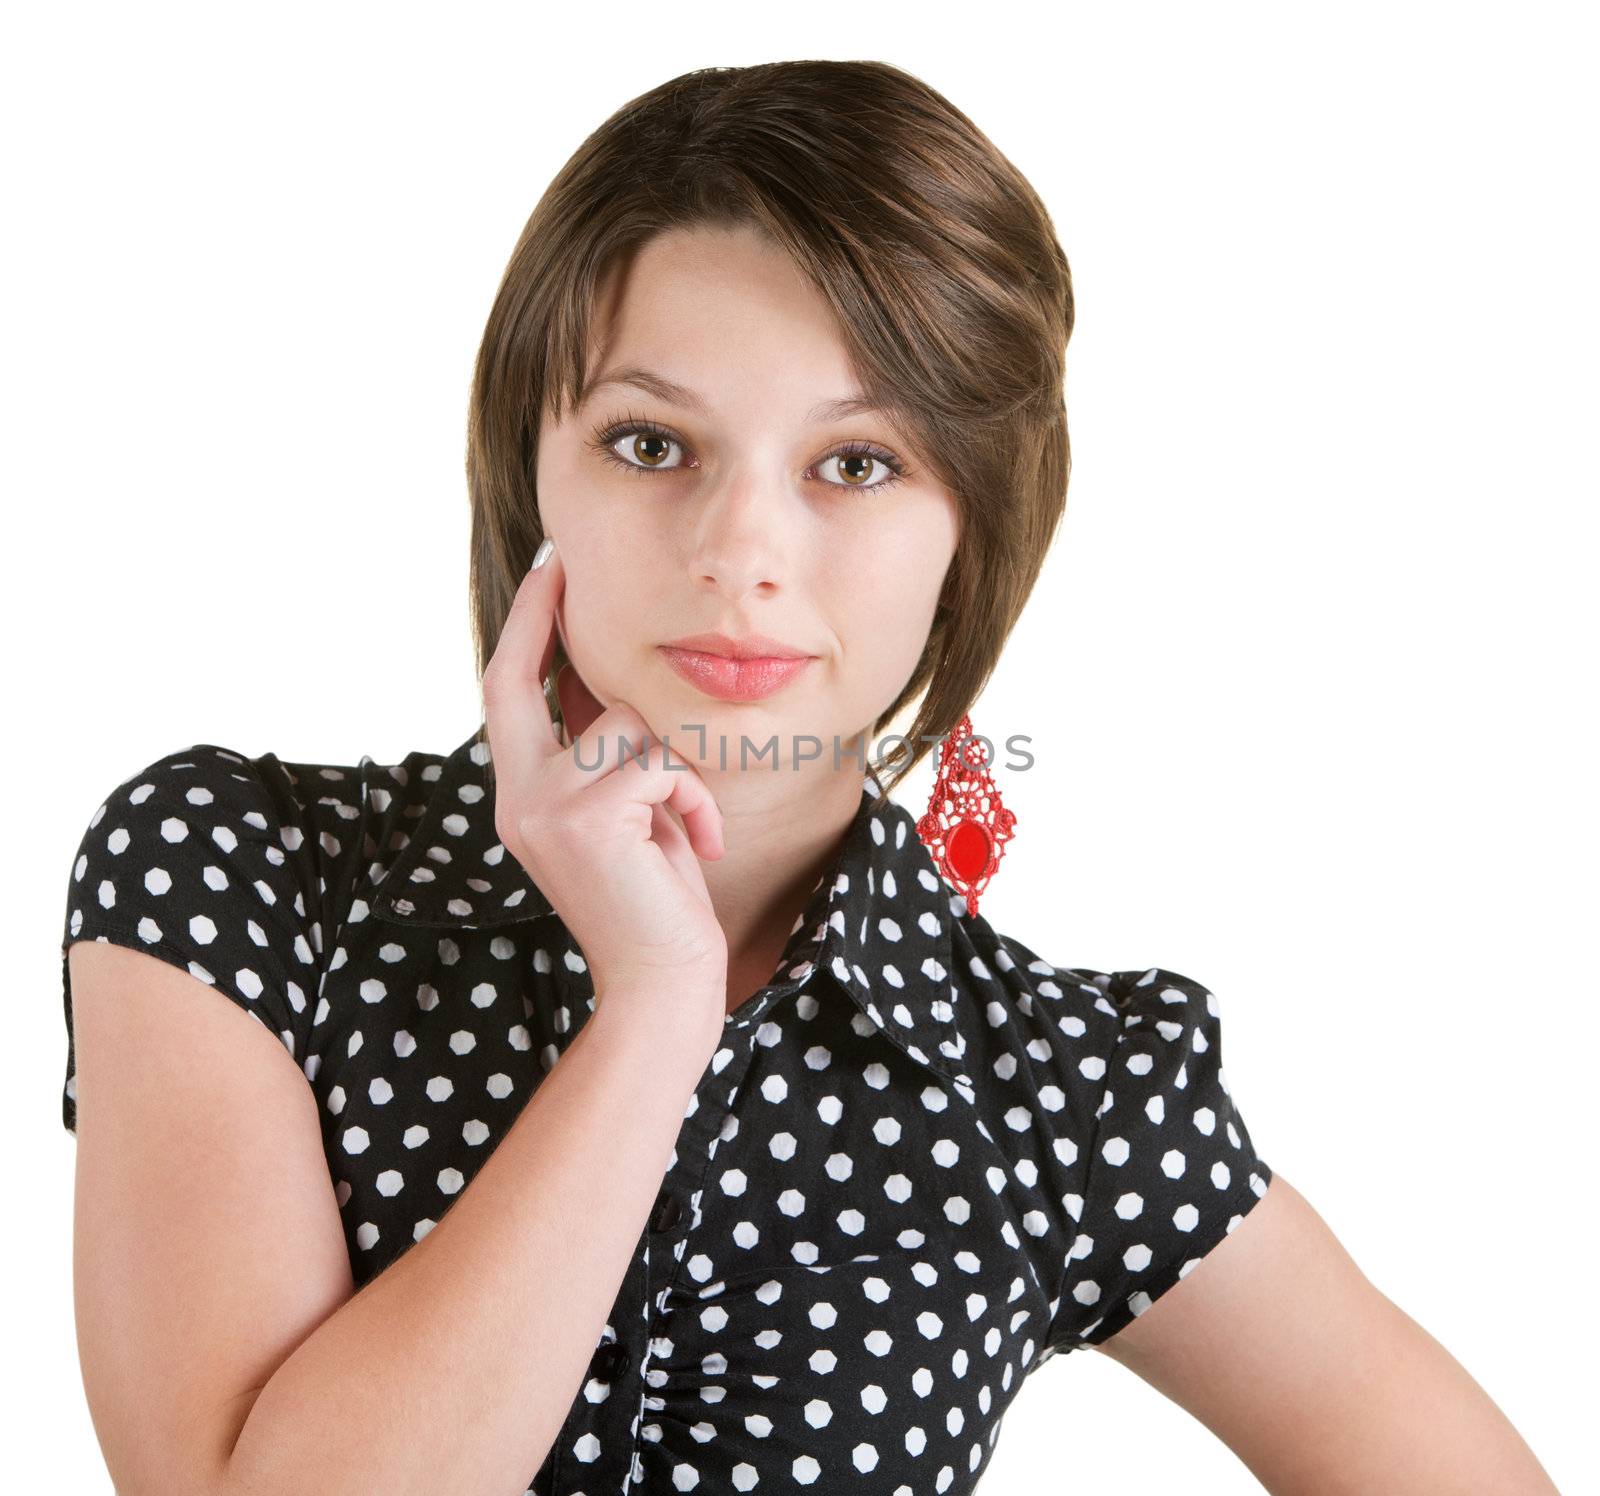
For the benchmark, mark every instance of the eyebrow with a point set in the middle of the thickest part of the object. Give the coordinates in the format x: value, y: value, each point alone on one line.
x: 676, y: 394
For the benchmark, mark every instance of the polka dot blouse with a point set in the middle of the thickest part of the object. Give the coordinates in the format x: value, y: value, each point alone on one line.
x: 923, y: 1161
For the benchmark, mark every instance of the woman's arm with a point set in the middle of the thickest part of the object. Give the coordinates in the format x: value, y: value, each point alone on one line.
x: 1324, y: 1387
x: 454, y: 1369
x: 222, y: 1350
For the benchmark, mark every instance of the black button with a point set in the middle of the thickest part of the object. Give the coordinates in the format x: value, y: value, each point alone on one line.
x: 610, y: 1361
x: 666, y: 1213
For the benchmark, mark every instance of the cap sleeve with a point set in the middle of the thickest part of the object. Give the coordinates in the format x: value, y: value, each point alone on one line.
x: 1171, y: 1168
x: 204, y: 860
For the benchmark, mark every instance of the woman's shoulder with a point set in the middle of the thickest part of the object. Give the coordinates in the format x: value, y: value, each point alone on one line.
x: 198, y: 823
x: 1120, y: 1073
x: 1072, y: 1018
x: 242, y: 869
x: 302, y: 832
x: 226, y: 797
x: 266, y: 795
x: 225, y: 865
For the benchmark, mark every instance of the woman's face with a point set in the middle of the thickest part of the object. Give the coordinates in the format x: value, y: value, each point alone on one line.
x: 741, y: 515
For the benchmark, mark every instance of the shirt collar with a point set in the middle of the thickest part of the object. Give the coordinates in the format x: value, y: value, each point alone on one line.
x: 878, y: 922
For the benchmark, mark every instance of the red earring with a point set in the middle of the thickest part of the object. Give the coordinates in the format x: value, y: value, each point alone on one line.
x: 966, y: 827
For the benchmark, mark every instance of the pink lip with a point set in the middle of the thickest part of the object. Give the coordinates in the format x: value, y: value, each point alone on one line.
x: 742, y: 647
x: 734, y: 679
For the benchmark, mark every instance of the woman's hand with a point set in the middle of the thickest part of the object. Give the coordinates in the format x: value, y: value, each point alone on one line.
x: 622, y: 875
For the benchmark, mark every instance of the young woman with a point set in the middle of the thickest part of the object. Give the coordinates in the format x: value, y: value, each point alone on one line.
x: 631, y: 1101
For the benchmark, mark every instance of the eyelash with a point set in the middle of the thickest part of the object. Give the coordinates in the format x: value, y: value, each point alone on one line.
x: 609, y: 434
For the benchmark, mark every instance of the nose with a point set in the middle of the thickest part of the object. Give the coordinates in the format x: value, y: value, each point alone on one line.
x: 742, y: 543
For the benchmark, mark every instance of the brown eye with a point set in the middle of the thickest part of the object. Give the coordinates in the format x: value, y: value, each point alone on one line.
x: 641, y: 446
x: 642, y: 449
x: 858, y: 467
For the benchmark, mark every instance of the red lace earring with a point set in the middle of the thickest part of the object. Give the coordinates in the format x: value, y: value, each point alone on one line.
x: 966, y: 826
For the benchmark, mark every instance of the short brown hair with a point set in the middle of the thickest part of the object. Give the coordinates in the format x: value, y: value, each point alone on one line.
x: 953, y: 298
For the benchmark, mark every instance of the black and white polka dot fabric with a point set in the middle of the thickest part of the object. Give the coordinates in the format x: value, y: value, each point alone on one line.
x: 923, y: 1162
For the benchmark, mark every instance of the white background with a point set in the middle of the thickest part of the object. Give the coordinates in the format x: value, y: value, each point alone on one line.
x: 1310, y: 671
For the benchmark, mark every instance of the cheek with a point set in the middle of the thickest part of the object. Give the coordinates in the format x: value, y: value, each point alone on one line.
x: 907, y: 552
x: 882, y: 619
x: 897, y: 582
x: 605, y: 601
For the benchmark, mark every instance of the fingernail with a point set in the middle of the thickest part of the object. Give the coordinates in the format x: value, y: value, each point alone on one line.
x: 542, y: 554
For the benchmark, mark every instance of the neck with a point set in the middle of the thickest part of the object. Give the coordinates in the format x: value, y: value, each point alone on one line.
x: 781, y: 830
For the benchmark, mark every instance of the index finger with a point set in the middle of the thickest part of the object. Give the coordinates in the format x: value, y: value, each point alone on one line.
x: 522, y: 734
